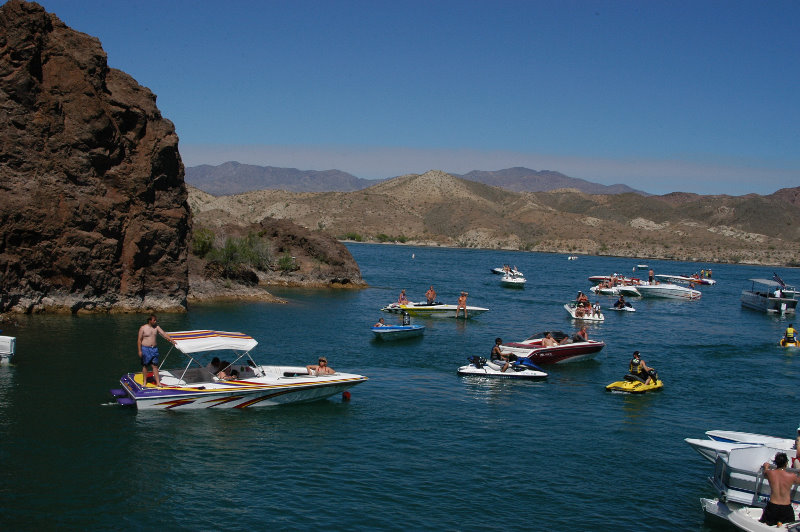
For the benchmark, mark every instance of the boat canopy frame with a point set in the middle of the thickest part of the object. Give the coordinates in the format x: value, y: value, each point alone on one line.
x: 205, y: 341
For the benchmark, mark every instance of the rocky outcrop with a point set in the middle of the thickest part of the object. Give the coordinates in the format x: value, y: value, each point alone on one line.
x: 93, y: 210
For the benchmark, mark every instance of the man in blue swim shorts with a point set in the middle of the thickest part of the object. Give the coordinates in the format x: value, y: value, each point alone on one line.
x: 148, y: 350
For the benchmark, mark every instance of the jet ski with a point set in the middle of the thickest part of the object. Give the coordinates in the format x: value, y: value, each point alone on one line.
x: 626, y: 308
x: 522, y: 368
x: 784, y: 343
x: 634, y: 384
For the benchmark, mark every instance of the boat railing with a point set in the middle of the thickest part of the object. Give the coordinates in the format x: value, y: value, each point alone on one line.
x: 727, y: 477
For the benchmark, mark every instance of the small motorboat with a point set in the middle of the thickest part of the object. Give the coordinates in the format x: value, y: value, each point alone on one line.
x: 513, y: 281
x: 572, y: 257
x: 519, y: 369
x: 583, y: 313
x: 685, y: 279
x: 668, y: 290
x: 434, y: 310
x: 634, y: 384
x: 745, y: 517
x: 7, y: 349
x: 398, y: 332
x: 567, y: 350
x: 507, y: 271
x: 194, y: 385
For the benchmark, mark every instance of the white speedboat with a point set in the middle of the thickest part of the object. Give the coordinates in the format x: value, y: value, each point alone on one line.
x: 435, y: 310
x: 668, y: 290
x: 583, y: 313
x: 572, y: 257
x: 194, y: 385
x: 768, y: 295
x: 521, y: 369
x: 720, y: 442
x: 618, y: 290
x: 7, y: 348
x: 745, y: 517
x: 398, y: 332
x: 510, y: 271
x: 513, y: 281
x: 685, y: 279
x: 569, y: 351
x: 751, y: 438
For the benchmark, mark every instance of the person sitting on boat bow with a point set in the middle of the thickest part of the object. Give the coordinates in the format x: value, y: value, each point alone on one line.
x: 582, y: 300
x: 321, y: 368
x: 779, y: 508
x: 380, y: 323
x: 638, y: 368
x: 402, y: 299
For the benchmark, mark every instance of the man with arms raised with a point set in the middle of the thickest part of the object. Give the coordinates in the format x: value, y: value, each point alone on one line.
x: 148, y: 350
x: 779, y: 508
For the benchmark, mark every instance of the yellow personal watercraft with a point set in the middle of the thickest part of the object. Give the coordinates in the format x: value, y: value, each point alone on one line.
x: 784, y: 343
x: 633, y: 384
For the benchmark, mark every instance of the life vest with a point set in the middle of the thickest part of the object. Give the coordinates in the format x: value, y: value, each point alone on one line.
x: 635, y: 367
x: 791, y: 333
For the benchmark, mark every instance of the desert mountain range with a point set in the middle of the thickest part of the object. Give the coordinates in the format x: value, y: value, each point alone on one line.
x: 236, y: 178
x: 436, y: 208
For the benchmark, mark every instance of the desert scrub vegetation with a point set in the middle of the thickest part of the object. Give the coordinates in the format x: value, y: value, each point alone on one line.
x: 249, y: 251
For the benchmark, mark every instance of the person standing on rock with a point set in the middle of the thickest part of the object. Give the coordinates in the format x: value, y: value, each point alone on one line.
x: 148, y: 348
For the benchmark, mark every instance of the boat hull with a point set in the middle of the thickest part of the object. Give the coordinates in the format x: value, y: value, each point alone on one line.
x: 492, y: 370
x: 572, y: 310
x: 634, y: 386
x: 280, y: 385
x: 668, y: 291
x: 742, y: 516
x: 561, y: 354
x: 433, y: 311
x: 767, y: 303
x: 513, y: 282
x: 398, y: 332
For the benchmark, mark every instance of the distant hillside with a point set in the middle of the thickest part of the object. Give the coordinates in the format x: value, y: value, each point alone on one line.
x: 436, y: 208
x: 521, y: 179
x: 235, y: 178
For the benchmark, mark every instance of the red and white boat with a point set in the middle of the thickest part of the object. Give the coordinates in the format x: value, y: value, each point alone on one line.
x: 570, y: 351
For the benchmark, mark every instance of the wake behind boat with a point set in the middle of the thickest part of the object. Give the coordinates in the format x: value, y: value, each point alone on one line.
x: 195, y: 386
x: 434, y: 310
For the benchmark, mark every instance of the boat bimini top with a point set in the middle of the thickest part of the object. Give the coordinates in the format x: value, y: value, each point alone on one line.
x: 189, y: 342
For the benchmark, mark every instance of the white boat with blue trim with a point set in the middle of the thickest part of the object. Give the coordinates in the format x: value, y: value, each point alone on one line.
x: 398, y: 332
x: 195, y: 386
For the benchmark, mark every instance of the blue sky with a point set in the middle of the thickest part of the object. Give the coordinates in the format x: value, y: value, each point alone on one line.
x: 662, y: 96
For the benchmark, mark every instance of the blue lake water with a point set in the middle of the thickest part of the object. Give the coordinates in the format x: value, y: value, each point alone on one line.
x: 417, y: 447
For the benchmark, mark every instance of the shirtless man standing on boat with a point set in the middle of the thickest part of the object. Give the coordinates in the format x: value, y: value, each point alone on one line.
x: 462, y: 303
x: 148, y: 349
x: 779, y: 508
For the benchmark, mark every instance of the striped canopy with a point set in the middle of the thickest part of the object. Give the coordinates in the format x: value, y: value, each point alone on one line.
x: 196, y: 341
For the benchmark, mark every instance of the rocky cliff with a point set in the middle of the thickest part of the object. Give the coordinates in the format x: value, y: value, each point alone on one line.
x: 93, y: 206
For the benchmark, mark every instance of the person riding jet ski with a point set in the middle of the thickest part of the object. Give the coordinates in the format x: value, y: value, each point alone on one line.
x: 638, y: 368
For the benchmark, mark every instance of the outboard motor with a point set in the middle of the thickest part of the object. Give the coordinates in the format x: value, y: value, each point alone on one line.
x: 406, y: 318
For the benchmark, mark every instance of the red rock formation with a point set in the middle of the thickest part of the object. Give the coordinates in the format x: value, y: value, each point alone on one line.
x: 93, y: 211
